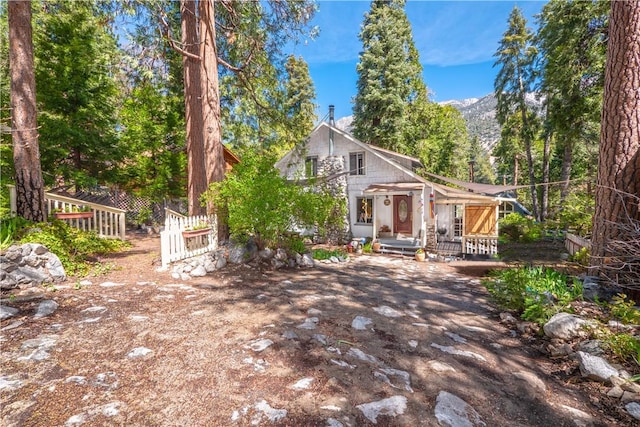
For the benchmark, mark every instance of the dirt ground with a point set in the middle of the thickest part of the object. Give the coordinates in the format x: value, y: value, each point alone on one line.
x: 250, y: 346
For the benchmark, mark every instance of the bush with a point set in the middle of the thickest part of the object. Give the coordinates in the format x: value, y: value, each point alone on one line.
x: 262, y: 204
x: 74, y: 247
x: 536, y: 293
x: 517, y: 228
x: 321, y: 254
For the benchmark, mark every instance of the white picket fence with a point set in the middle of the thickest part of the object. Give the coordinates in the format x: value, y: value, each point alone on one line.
x: 106, y: 221
x: 177, y: 244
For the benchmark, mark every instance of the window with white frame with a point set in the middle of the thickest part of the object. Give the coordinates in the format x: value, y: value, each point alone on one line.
x: 356, y: 163
x: 311, y: 166
x: 457, y: 220
x: 364, y: 209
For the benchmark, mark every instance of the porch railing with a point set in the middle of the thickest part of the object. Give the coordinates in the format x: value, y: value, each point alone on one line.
x: 106, y: 221
x: 480, y: 245
x: 187, y: 236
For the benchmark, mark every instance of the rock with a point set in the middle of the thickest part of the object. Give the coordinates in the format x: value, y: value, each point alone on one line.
x: 387, y: 311
x: 7, y: 312
x: 392, y: 406
x: 532, y: 380
x: 507, y: 318
x: 260, y: 345
x: 139, y: 352
x: 615, y: 392
x: 633, y: 408
x: 199, y: 271
x: 360, y: 323
x: 453, y: 350
x: 266, y: 254
x: 45, y: 308
x: 595, y: 368
x: 440, y: 366
x: 566, y: 326
x: 451, y: 411
x: 307, y: 261
x: 237, y: 254
x: 302, y: 384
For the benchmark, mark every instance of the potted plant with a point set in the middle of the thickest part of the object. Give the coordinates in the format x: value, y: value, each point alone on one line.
x: 385, y: 231
x: 200, y: 229
x: 375, y: 246
x: 73, y: 212
x: 420, y: 255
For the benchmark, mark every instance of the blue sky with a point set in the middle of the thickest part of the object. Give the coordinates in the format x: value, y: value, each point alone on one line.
x: 456, y: 41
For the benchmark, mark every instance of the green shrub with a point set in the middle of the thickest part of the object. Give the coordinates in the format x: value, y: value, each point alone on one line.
x: 581, y: 257
x: 74, y: 247
x: 517, y: 228
x: 10, y: 229
x: 624, y: 346
x: 536, y: 293
x: 296, y: 245
x: 321, y: 254
x: 625, y: 310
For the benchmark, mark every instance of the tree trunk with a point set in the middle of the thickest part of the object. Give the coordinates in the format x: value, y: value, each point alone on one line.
x: 544, y: 209
x: 196, y: 175
x: 214, y: 152
x: 618, y: 185
x: 26, y: 151
x: 565, y: 170
x: 214, y: 159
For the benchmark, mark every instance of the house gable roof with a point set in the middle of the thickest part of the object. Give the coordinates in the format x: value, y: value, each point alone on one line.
x: 385, y: 156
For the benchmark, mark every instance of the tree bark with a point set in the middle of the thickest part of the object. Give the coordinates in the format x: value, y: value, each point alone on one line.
x: 618, y: 185
x: 546, y: 155
x: 24, y: 132
x: 214, y: 158
x: 196, y: 176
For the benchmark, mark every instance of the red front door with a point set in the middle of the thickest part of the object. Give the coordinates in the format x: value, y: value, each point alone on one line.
x: 402, y: 218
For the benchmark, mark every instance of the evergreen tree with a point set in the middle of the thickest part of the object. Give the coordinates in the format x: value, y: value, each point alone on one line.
x: 390, y: 81
x: 76, y: 57
x: 515, y: 57
x: 572, y: 43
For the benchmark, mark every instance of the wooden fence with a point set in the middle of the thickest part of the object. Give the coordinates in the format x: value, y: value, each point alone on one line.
x: 185, y: 237
x: 106, y: 221
x: 573, y: 243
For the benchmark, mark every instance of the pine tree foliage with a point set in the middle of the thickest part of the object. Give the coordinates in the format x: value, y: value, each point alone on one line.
x: 515, y: 58
x: 572, y: 39
x: 77, y: 93
x: 389, y: 78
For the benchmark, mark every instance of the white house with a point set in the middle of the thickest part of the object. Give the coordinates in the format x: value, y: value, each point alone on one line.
x: 387, y: 200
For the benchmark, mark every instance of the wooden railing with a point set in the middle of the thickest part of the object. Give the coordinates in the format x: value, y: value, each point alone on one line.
x: 487, y: 245
x: 573, y: 243
x: 106, y: 221
x: 185, y: 237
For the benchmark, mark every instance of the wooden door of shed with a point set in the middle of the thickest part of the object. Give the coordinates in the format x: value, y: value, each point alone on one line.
x: 480, y: 219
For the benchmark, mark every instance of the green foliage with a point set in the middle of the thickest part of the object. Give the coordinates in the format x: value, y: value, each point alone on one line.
x: 296, y: 245
x: 624, y: 346
x: 77, y: 93
x: 263, y: 204
x: 517, y: 228
x: 625, y: 310
x: 581, y: 257
x: 74, y: 247
x: 10, y: 229
x: 536, y: 293
x: 576, y: 215
x: 390, y: 81
x: 322, y: 254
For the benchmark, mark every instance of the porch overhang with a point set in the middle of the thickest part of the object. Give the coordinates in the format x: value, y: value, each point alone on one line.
x: 396, y: 187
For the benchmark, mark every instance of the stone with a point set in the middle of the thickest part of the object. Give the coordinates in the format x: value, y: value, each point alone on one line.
x: 566, y: 326
x: 595, y: 368
x: 272, y: 414
x: 455, y: 351
x: 199, y: 271
x: 532, y: 380
x: 391, y: 406
x: 633, y: 408
x: 361, y: 355
x: 6, y: 312
x: 139, y: 352
x: 302, y: 384
x: 440, y: 366
x: 451, y: 411
x: 237, y: 254
x: 307, y: 261
x: 507, y: 318
x: 46, y: 308
x: 260, y: 345
x: 387, y: 311
x: 360, y: 323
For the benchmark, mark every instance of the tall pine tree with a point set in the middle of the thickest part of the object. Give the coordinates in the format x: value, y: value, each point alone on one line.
x: 515, y: 57
x: 389, y: 78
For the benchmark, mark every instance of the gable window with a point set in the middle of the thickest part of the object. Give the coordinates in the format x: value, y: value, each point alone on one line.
x: 356, y: 163
x: 364, y: 208
x: 311, y: 167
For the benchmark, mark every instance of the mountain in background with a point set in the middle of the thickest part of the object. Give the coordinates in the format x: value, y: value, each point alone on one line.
x: 479, y: 113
